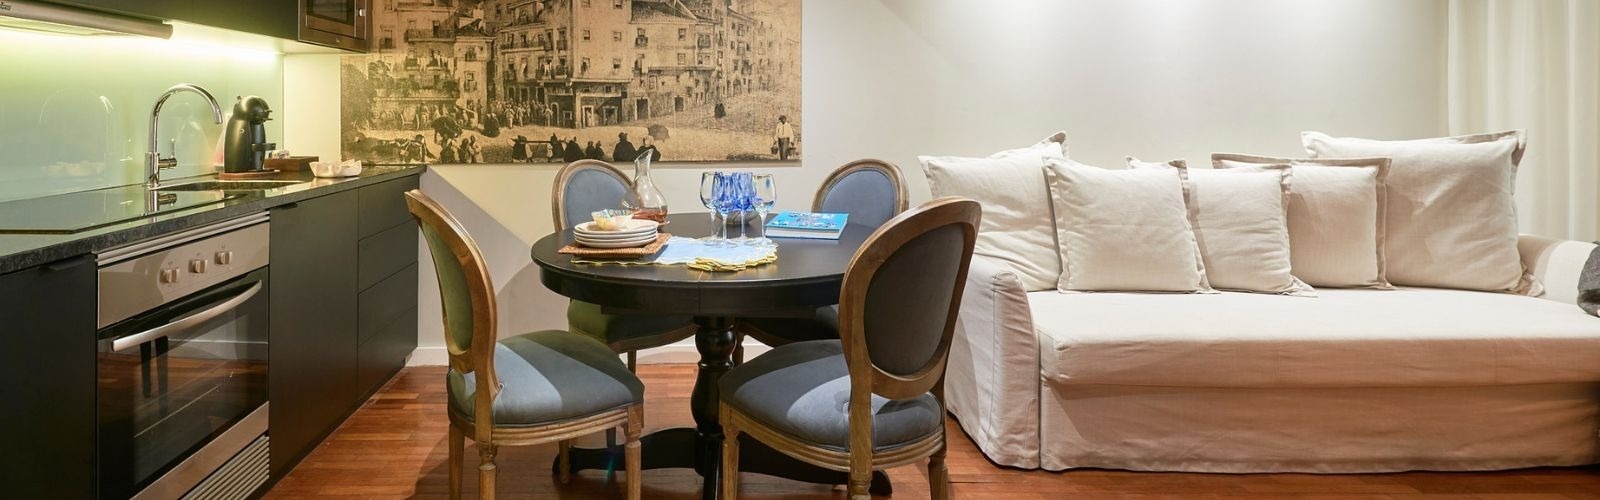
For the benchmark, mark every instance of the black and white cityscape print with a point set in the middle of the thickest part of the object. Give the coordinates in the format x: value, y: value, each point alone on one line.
x: 498, y: 81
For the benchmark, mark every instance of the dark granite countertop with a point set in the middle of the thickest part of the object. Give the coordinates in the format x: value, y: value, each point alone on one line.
x: 21, y: 251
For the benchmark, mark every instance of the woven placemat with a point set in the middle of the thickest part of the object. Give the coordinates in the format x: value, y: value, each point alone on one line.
x: 616, y: 253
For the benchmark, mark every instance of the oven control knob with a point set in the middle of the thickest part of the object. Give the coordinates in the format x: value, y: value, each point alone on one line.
x: 224, y: 258
x: 169, y: 275
x: 197, y: 266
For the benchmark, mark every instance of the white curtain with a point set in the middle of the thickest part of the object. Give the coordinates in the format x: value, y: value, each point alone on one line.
x: 1535, y: 65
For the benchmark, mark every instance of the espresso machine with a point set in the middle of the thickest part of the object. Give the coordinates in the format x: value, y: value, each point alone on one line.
x: 245, y: 143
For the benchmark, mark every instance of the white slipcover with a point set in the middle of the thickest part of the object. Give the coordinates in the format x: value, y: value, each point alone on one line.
x: 1407, y: 337
x: 1526, y: 396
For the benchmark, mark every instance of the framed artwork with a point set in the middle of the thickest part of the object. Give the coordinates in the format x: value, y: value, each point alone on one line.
x: 507, y: 81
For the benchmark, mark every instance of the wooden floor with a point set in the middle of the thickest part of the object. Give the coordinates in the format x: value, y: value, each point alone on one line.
x: 394, y: 447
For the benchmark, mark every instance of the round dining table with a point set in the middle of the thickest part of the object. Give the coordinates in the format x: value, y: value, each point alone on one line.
x: 806, y: 275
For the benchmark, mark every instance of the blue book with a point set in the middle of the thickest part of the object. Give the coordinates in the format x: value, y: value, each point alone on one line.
x: 807, y: 225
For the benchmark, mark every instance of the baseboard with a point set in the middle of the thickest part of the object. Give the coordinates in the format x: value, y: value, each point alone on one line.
x: 429, y: 356
x: 676, y: 353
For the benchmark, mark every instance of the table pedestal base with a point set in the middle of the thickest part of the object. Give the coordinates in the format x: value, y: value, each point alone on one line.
x: 678, y: 448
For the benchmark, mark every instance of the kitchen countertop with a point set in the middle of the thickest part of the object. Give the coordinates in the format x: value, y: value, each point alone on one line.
x: 21, y: 251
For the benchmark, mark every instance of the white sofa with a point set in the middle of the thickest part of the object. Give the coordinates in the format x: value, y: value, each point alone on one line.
x: 1351, y: 381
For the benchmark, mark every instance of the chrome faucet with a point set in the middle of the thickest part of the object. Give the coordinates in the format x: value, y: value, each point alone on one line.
x: 153, y: 162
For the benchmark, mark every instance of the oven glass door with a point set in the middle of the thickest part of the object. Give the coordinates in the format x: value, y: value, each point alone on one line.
x: 333, y: 16
x: 172, y: 379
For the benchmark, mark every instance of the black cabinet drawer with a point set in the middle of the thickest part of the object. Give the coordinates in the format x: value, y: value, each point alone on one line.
x: 385, y: 353
x: 383, y: 206
x: 377, y: 306
x: 383, y: 254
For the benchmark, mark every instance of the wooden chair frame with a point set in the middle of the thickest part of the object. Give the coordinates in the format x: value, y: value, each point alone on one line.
x: 902, y: 195
x: 558, y: 209
x: 901, y: 202
x: 478, y: 360
x: 866, y: 378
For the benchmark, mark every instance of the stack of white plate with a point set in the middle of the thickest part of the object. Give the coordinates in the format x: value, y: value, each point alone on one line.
x: 632, y: 233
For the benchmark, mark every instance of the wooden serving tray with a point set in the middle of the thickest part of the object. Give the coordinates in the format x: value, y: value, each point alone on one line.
x: 577, y: 249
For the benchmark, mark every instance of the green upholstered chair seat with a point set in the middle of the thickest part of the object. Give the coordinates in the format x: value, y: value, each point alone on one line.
x: 550, y: 376
x: 620, y: 329
x: 803, y: 390
x: 822, y: 326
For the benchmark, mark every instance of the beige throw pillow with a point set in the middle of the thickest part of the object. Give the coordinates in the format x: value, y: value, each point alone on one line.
x: 1336, y: 217
x: 1017, y: 227
x: 1241, y: 225
x: 1451, y: 222
x: 1123, y: 230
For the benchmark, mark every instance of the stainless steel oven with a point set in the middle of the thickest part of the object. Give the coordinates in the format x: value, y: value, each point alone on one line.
x: 337, y: 23
x: 182, y: 364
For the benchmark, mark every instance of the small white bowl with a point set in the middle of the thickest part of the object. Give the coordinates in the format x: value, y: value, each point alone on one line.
x: 331, y: 169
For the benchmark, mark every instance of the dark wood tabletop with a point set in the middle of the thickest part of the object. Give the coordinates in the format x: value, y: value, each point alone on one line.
x: 806, y: 276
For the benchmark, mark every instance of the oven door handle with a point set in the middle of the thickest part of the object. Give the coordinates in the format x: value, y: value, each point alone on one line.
x: 187, y: 322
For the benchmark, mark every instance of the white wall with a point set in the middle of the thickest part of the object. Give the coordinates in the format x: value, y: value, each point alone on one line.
x: 1158, y: 79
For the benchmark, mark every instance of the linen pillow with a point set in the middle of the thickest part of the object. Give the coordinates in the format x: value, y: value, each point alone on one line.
x: 1017, y: 228
x: 1123, y: 230
x: 1241, y: 225
x: 1451, y: 222
x: 1336, y: 217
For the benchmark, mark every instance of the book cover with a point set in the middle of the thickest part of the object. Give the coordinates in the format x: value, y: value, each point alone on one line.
x: 807, y: 225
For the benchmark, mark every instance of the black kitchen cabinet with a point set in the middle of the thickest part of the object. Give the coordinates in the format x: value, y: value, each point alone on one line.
x: 154, y: 9
x: 47, y: 380
x: 275, y: 18
x: 387, y: 304
x: 313, y: 317
x: 344, y: 309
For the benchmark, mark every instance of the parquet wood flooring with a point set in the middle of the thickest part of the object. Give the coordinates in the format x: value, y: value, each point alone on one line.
x: 394, y: 447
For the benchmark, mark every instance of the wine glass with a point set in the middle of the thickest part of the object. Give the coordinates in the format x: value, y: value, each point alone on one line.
x: 724, y: 202
x: 766, y: 195
x: 709, y: 182
x: 744, y: 194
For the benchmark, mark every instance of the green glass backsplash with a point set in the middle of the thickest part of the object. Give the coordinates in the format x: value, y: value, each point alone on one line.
x: 75, y: 111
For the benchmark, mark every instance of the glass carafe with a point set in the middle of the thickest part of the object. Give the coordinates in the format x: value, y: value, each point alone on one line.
x: 646, y: 201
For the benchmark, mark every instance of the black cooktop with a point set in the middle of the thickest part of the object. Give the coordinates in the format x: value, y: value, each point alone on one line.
x: 74, y: 212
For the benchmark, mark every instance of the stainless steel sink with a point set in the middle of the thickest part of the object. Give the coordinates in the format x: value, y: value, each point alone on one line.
x: 227, y: 186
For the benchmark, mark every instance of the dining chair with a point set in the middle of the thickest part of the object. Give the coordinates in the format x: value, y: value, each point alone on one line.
x: 535, y: 388
x: 874, y: 397
x: 872, y: 192
x: 581, y: 188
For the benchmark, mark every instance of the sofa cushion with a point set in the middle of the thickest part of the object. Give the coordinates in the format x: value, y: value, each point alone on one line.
x: 1241, y: 225
x: 1123, y: 229
x: 1344, y: 338
x: 1336, y: 217
x: 1451, y: 216
x: 1017, y: 227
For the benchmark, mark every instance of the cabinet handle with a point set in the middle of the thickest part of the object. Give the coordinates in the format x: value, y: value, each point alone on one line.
x: 64, y: 264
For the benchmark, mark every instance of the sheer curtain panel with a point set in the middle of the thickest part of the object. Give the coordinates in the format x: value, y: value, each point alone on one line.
x: 1535, y: 64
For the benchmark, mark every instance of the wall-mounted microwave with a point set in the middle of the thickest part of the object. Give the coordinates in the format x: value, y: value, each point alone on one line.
x: 336, y: 23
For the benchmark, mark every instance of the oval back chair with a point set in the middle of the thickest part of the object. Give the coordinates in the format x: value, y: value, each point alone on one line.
x: 897, y: 314
x: 581, y: 188
x: 535, y: 388
x: 872, y: 192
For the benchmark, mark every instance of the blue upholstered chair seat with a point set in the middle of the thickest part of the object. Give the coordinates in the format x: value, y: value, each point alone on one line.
x: 550, y: 376
x: 803, y: 390
x: 586, y: 318
x: 822, y: 326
